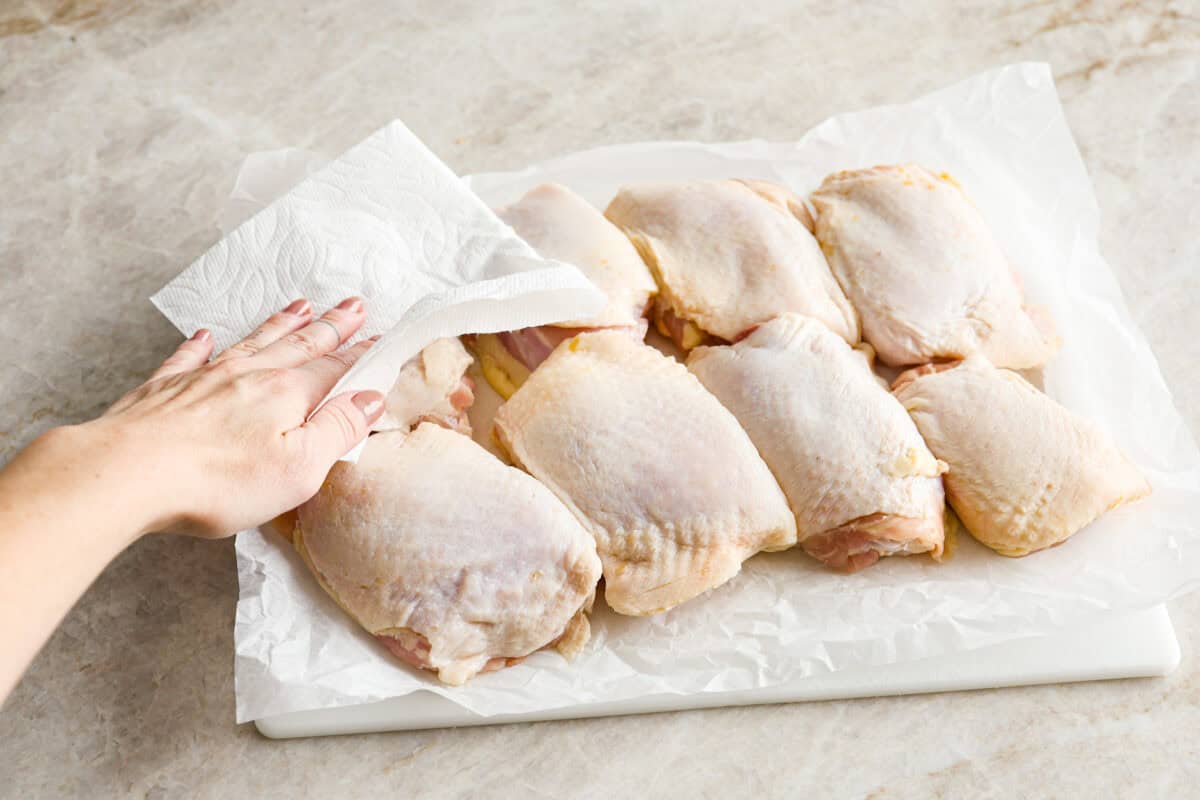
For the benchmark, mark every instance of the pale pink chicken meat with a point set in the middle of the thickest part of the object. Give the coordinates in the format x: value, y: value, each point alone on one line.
x: 1024, y: 472
x: 432, y: 387
x: 657, y: 470
x: 859, y: 479
x: 561, y: 225
x: 925, y: 272
x: 532, y: 346
x: 729, y: 255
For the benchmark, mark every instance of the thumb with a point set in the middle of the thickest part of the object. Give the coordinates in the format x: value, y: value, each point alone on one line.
x: 340, y: 424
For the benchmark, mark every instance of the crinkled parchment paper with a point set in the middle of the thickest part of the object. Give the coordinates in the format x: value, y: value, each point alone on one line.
x: 1004, y: 137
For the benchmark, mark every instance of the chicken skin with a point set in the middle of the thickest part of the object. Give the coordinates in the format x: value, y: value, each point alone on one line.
x: 657, y: 470
x: 921, y: 266
x: 1024, y: 472
x: 859, y: 479
x: 782, y: 197
x: 728, y: 255
x: 561, y: 225
x: 455, y: 562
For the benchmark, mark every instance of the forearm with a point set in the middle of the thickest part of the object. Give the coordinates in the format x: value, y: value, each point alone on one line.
x: 202, y: 447
x: 67, y: 507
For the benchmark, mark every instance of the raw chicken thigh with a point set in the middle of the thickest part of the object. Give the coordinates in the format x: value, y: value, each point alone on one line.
x: 859, y: 479
x: 728, y: 257
x: 455, y: 562
x: 921, y: 266
x: 561, y: 225
x: 433, y: 386
x: 658, y: 471
x: 1024, y: 472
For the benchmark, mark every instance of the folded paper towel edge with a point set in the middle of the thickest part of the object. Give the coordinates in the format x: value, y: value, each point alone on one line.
x: 541, y: 297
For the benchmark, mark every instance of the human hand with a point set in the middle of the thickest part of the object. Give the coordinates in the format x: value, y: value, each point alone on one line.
x: 218, y: 447
x: 201, y: 448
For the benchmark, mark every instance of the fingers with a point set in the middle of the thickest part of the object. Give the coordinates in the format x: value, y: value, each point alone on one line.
x: 277, y: 326
x: 316, y: 339
x: 320, y: 374
x: 339, y: 425
x: 189, y: 355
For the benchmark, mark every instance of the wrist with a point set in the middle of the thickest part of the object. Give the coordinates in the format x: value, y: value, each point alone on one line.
x: 102, y: 469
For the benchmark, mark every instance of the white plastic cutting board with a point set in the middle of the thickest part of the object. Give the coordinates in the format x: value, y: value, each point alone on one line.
x: 1134, y: 646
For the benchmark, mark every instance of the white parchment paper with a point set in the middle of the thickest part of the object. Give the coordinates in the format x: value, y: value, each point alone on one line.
x: 1004, y: 137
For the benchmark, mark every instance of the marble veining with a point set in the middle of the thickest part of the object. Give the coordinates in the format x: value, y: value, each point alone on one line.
x: 122, y: 126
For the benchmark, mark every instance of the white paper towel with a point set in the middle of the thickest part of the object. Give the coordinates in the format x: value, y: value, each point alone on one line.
x: 390, y: 222
x: 1001, y: 134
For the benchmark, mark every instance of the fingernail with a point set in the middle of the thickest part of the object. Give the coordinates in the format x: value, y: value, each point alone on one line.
x: 352, y: 304
x: 202, y: 335
x: 369, y: 403
x: 300, y: 307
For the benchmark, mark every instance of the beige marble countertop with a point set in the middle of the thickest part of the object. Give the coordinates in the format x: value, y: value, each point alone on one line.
x: 123, y: 125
